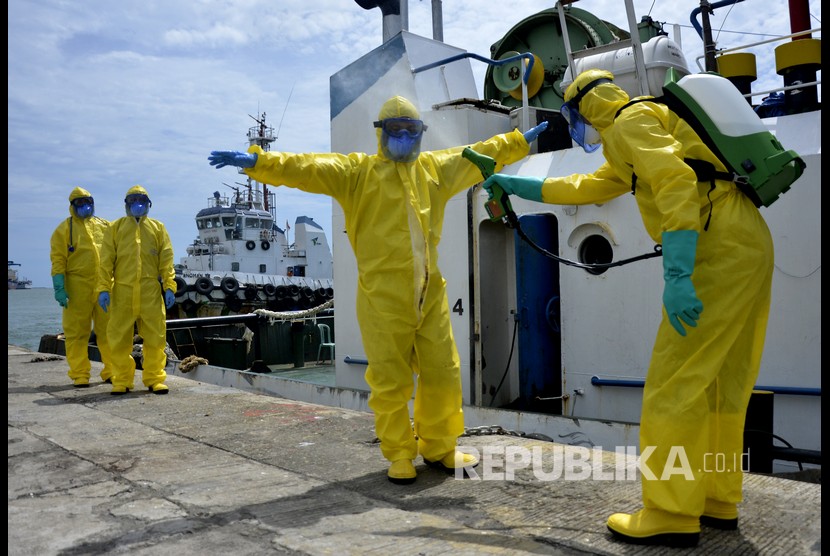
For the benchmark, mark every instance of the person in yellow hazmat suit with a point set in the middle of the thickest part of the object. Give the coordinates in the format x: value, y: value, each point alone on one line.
x: 74, y: 252
x: 394, y: 204
x: 137, y: 282
x: 717, y: 269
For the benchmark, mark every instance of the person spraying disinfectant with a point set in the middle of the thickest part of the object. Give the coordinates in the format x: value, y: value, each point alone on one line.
x: 717, y: 271
x: 393, y: 203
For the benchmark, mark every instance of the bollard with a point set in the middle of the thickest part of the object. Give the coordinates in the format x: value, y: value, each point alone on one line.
x: 758, y: 431
x: 297, y: 343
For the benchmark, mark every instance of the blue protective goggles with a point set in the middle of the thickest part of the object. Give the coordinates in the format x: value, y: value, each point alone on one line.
x: 398, y: 127
x: 82, y: 201
x: 579, y: 128
x: 137, y: 198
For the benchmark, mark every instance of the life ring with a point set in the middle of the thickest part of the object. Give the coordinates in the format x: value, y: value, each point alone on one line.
x: 265, y: 244
x: 181, y: 286
x: 203, y: 285
x: 229, y: 285
x: 270, y: 290
x: 250, y: 244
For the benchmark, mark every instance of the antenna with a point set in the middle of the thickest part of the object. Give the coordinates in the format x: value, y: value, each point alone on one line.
x: 284, y: 110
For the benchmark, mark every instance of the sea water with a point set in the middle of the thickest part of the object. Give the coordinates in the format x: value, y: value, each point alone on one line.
x: 33, y: 313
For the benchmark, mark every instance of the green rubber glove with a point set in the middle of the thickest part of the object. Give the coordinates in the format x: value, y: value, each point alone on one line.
x: 526, y: 187
x: 679, y: 297
x: 58, y: 283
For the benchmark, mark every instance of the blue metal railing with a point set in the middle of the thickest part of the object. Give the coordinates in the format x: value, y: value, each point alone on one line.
x: 639, y: 383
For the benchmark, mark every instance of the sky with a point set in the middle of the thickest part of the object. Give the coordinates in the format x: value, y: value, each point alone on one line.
x: 106, y: 95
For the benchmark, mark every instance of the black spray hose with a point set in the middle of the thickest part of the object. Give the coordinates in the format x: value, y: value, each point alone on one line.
x: 512, y: 221
x: 499, y: 208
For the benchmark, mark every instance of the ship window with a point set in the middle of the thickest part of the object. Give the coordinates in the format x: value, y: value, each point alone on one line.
x: 208, y: 224
x: 227, y: 221
x: 252, y: 223
x: 200, y: 224
x: 235, y: 267
x: 216, y: 222
x: 262, y: 269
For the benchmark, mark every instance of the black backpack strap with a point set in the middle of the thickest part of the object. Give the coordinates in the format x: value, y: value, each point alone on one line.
x: 705, y: 171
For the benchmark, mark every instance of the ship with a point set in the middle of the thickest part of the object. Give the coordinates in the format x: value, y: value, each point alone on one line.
x: 242, y: 260
x: 546, y: 348
x: 16, y: 282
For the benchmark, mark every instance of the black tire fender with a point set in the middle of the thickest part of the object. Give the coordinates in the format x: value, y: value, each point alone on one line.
x: 250, y: 244
x: 181, y: 286
x: 229, y: 285
x: 265, y: 244
x: 203, y: 285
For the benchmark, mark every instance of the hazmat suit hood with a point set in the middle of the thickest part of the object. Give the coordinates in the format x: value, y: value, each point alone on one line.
x: 398, y: 107
x: 77, y: 193
x: 601, y: 102
x: 144, y: 205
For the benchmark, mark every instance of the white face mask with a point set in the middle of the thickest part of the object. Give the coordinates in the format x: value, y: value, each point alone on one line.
x: 584, y: 134
x: 591, y: 139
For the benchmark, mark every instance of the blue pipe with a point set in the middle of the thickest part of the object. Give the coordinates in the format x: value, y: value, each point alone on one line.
x: 788, y: 390
x: 355, y: 361
x: 527, y: 55
x: 696, y: 11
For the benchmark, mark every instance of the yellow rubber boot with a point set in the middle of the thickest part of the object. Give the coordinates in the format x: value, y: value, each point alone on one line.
x: 454, y: 460
x: 159, y: 389
x: 720, y: 515
x: 402, y: 472
x: 649, y: 526
x: 81, y: 383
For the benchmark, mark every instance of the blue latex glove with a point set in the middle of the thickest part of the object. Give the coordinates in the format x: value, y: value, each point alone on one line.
x: 526, y: 187
x: 532, y: 133
x: 104, y: 300
x: 679, y: 297
x: 60, y: 290
x: 169, y: 298
x: 220, y: 159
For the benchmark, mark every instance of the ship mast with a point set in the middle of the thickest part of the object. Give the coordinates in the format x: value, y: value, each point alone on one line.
x: 262, y: 135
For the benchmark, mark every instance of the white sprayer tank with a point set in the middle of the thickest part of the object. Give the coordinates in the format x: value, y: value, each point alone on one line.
x: 724, y: 105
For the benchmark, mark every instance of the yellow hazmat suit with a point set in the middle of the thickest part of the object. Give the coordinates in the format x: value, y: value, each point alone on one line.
x: 136, y: 256
x: 74, y: 251
x: 394, y: 214
x: 698, y: 386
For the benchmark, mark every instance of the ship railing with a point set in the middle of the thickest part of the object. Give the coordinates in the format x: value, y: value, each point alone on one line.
x: 527, y: 62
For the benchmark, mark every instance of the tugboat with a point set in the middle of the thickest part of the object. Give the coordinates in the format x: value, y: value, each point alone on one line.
x: 242, y: 260
x: 15, y: 281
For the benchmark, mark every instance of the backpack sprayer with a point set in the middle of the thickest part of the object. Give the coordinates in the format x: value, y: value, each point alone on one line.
x: 499, y: 208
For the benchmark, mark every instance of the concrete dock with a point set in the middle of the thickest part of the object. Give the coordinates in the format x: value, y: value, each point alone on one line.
x: 211, y: 469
